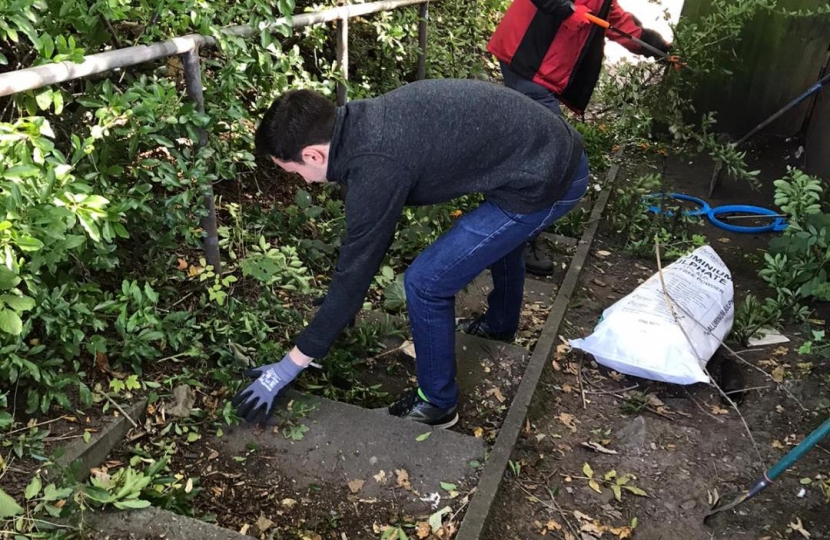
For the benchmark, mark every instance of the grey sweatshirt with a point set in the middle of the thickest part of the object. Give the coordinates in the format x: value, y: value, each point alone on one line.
x: 425, y: 143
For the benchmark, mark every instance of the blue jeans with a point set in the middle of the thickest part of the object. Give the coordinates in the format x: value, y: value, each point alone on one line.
x: 529, y: 88
x: 487, y: 237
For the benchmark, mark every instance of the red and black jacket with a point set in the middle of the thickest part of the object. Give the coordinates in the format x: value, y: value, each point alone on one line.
x: 533, y: 41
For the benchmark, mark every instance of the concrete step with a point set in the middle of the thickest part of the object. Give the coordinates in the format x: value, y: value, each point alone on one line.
x: 155, y: 524
x: 343, y: 443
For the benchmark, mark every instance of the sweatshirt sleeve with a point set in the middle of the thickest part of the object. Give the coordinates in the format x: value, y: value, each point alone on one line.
x: 626, y: 22
x: 374, y: 202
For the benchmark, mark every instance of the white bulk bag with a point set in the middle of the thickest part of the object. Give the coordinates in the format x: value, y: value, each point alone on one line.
x: 639, y: 336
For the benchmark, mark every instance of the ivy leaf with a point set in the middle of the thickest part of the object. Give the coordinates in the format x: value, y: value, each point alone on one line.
x: 8, y: 506
x: 10, y: 322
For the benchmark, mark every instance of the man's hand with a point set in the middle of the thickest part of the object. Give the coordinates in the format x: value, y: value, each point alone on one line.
x: 257, y: 401
x: 577, y: 18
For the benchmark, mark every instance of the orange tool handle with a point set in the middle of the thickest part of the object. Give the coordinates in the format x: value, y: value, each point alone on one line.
x: 597, y: 21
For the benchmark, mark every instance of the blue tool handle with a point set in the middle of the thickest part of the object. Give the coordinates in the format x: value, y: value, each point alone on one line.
x: 796, y: 453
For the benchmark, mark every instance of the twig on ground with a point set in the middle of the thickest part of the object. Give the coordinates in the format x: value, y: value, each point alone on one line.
x: 699, y: 406
x: 37, y: 425
x: 117, y: 406
x: 555, y: 507
x: 579, y: 379
x: 617, y: 391
x: 671, y: 303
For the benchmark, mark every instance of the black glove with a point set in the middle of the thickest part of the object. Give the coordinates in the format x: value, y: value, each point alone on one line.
x: 654, y: 39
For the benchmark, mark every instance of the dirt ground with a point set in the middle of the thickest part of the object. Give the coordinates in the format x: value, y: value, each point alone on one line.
x: 681, y: 446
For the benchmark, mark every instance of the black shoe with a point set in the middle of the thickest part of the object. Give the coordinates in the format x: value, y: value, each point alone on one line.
x: 412, y: 407
x: 535, y: 262
x: 478, y: 327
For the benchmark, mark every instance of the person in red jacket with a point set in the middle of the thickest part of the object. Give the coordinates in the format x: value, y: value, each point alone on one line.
x: 550, y: 52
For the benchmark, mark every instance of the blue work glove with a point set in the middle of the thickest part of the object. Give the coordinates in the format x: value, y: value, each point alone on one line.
x: 257, y: 401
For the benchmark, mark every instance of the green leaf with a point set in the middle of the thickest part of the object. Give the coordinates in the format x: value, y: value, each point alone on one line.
x: 423, y: 436
x: 28, y: 243
x: 44, y: 100
x: 8, y: 279
x: 33, y: 488
x: 636, y: 491
x: 594, y: 485
x: 131, y: 503
x: 8, y: 506
x: 193, y: 437
x: 302, y: 199
x: 617, y: 492
x: 587, y: 470
x: 448, y: 486
x: 805, y: 481
x: 18, y: 303
x: 634, y: 523
x: 10, y: 322
x: 21, y: 171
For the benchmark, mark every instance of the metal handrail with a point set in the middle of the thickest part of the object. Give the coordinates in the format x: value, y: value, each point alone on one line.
x: 33, y: 78
x: 188, y: 48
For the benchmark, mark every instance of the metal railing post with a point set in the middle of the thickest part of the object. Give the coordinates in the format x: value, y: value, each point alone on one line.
x: 423, y: 16
x: 193, y: 81
x: 342, y: 58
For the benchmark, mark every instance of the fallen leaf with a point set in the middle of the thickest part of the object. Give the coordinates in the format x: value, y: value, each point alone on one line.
x: 717, y: 410
x: 594, y: 486
x: 289, y: 503
x: 799, y: 528
x: 380, y: 477
x: 182, y: 264
x: 408, y: 348
x: 356, y: 485
x: 567, y: 388
x: 602, y: 253
x: 780, y: 351
x: 777, y: 444
x: 244, y: 529
x: 569, y: 420
x: 587, y: 470
x: 422, y: 529
x: 616, y: 376
x: 553, y: 525
x: 403, y: 479
x: 194, y: 271
x: 447, y: 486
x: 497, y: 393
x: 778, y: 374
x: 263, y: 524
x: 654, y: 401
x: 478, y: 432
x: 436, y: 519
x: 598, y: 448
